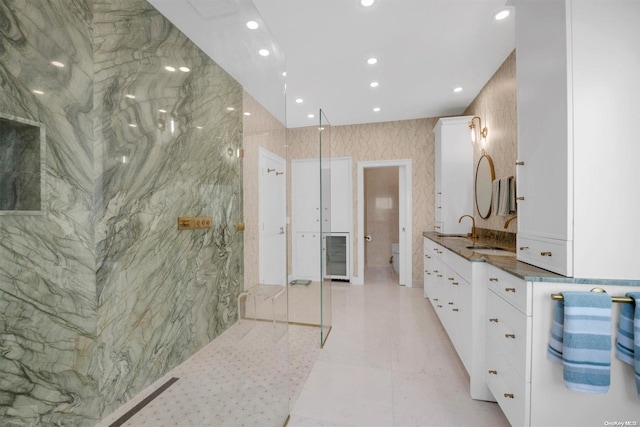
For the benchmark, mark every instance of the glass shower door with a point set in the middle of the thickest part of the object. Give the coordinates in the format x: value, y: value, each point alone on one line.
x: 325, y: 225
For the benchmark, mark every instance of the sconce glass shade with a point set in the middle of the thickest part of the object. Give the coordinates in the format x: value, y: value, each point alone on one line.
x: 477, y: 132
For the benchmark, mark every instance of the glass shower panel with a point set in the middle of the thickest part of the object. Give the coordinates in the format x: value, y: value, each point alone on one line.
x: 325, y: 226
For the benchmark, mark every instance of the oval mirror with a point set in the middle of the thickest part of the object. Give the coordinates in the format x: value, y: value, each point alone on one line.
x: 484, y: 184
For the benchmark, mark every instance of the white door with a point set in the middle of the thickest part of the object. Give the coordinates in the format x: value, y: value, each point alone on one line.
x: 272, y: 239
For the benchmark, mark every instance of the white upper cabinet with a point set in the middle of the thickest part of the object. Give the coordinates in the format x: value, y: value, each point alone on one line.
x: 454, y: 175
x: 577, y: 66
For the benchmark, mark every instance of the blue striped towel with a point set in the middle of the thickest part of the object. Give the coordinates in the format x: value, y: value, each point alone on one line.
x: 581, y: 341
x: 628, y: 342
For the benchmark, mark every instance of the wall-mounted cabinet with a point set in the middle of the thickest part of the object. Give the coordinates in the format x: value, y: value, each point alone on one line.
x: 576, y: 133
x: 453, y: 175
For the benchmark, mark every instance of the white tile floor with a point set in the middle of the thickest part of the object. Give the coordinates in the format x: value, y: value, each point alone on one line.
x: 388, y: 363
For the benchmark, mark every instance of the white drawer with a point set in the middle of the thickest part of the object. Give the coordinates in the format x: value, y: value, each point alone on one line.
x: 508, y: 330
x: 550, y: 254
x: 458, y: 264
x: 511, y: 288
x: 509, y: 389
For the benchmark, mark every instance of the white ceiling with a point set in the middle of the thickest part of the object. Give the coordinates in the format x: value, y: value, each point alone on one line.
x: 425, y: 48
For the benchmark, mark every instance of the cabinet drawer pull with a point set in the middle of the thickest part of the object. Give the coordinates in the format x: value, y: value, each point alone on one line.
x: 455, y: 309
x: 513, y: 336
x: 455, y: 283
x: 436, y: 299
x: 520, y: 163
x: 428, y: 274
x: 493, y: 319
x: 508, y: 395
x: 437, y: 227
x: 520, y: 198
x: 435, y: 271
x: 545, y: 253
x: 439, y: 275
x: 439, y: 306
x: 510, y: 290
x: 450, y: 303
x: 493, y: 279
x: 449, y: 278
x: 522, y: 248
x: 427, y: 256
x: 493, y: 372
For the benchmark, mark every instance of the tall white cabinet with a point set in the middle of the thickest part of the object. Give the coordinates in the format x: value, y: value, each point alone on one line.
x: 577, y: 136
x: 454, y: 175
x: 309, y: 254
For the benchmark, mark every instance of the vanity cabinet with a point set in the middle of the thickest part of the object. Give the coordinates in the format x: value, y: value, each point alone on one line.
x: 527, y: 386
x: 453, y: 175
x: 576, y: 133
x: 508, y: 359
x: 460, y: 308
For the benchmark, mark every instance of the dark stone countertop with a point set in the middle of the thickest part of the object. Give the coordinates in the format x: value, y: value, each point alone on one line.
x: 510, y: 264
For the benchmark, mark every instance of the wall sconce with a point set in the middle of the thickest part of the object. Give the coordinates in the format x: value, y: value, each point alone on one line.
x: 478, y: 131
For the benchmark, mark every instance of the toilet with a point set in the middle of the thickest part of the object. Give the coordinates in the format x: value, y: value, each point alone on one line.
x: 395, y: 252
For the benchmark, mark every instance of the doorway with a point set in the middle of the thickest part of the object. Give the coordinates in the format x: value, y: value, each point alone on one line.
x: 381, y: 223
x: 402, y: 169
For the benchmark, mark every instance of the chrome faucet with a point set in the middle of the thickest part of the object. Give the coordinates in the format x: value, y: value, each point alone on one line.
x: 473, y: 226
x: 507, y: 222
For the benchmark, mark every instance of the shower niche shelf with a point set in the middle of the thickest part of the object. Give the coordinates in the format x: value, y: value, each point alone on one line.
x: 22, y: 160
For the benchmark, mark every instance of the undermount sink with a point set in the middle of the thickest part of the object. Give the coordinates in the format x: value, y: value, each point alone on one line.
x: 491, y: 250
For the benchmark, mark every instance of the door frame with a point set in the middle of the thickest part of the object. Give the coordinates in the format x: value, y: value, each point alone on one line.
x: 263, y: 155
x: 405, y: 226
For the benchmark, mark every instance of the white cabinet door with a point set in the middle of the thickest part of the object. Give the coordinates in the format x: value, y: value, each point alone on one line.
x: 307, y: 255
x: 341, y: 195
x: 454, y: 175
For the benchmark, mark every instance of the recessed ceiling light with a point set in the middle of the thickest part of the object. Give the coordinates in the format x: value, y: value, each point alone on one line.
x: 162, y: 111
x: 311, y: 116
x: 284, y: 74
x: 299, y: 101
x: 198, y: 127
x: 263, y: 52
x: 502, y: 14
x: 169, y: 68
x: 372, y: 61
x: 252, y: 25
x: 57, y: 64
x: 38, y: 92
x: 185, y: 69
x: 374, y: 84
x: 246, y: 113
x: 458, y: 89
x: 133, y: 125
x: 130, y: 96
x: 230, y: 109
x: 376, y: 109
x: 367, y: 3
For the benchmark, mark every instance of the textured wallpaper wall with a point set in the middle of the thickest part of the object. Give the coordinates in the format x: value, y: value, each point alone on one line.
x: 496, y: 106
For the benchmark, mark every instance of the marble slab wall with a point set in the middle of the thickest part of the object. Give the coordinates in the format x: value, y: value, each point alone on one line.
x: 47, y: 265
x: 101, y: 294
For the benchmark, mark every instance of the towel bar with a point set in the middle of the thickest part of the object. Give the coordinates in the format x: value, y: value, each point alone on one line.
x: 558, y: 297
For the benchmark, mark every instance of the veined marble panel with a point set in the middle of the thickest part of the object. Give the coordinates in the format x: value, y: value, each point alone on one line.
x: 47, y: 262
x: 167, y: 142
